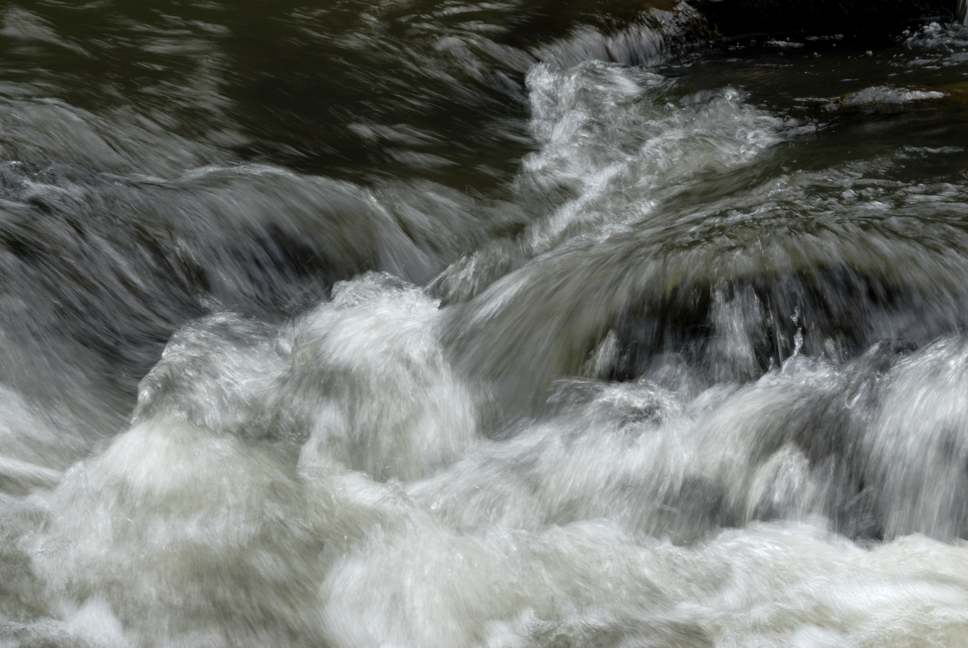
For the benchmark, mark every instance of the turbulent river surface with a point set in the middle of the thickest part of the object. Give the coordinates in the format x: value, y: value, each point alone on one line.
x: 443, y: 323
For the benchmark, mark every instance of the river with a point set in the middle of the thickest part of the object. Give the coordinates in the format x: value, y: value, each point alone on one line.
x: 445, y: 323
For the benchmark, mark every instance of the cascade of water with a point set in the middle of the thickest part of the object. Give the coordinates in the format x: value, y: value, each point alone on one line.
x: 466, y: 323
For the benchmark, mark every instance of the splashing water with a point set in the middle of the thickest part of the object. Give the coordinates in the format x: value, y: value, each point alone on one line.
x: 479, y: 324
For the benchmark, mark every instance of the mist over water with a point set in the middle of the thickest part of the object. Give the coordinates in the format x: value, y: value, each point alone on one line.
x: 441, y: 324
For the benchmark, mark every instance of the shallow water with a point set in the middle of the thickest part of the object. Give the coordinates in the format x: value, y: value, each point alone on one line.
x: 479, y: 324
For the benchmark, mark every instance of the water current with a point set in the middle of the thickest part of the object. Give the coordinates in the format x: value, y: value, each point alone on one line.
x: 446, y: 323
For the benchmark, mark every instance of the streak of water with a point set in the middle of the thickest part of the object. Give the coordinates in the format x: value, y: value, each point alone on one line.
x: 447, y: 323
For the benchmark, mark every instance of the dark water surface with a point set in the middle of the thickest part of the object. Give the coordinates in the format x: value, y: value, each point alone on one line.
x: 500, y: 324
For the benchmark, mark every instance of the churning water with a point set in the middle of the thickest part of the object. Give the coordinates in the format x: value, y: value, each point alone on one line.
x: 442, y: 323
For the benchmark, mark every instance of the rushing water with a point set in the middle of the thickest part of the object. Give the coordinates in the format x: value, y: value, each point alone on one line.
x: 442, y: 323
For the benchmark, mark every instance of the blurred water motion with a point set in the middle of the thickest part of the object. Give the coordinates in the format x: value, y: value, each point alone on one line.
x: 503, y: 324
